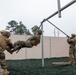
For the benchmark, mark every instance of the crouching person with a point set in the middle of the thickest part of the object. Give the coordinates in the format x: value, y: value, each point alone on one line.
x: 5, y: 44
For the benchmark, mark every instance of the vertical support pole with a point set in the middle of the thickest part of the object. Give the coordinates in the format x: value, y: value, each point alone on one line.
x: 42, y: 45
x: 58, y: 33
x: 54, y: 32
x: 59, y: 12
x: 25, y: 48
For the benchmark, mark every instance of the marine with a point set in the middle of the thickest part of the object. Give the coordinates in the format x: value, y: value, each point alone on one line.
x: 72, y: 49
x: 34, y: 40
x: 5, y: 44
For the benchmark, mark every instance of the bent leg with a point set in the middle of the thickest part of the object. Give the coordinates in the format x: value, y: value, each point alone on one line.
x: 3, y: 62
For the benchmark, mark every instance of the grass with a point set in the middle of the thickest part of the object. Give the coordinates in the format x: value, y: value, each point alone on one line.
x: 34, y: 67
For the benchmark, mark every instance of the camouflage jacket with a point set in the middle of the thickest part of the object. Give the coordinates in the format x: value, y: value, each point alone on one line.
x: 5, y: 42
x: 34, y: 40
x: 72, y: 41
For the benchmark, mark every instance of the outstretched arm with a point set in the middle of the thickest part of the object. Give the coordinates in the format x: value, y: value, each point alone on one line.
x: 16, y: 48
x: 9, y: 47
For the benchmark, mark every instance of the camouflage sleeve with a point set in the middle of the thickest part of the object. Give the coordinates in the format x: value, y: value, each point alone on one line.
x: 9, y: 50
x: 10, y: 44
x: 75, y: 39
x: 70, y: 41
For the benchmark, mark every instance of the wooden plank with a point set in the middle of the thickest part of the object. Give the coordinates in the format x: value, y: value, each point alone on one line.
x: 61, y: 63
x: 1, y: 71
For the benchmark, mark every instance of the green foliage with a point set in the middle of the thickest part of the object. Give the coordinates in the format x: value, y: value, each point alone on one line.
x: 17, y: 29
x: 34, y: 67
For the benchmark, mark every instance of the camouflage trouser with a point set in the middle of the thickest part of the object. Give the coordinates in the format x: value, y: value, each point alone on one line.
x: 2, y: 58
x: 23, y: 44
x: 72, y: 53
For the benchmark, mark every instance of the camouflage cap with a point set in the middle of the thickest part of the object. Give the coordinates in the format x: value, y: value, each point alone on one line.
x: 73, y: 35
x: 5, y: 33
x: 34, y: 28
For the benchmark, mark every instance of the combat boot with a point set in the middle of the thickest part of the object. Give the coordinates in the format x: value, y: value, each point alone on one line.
x: 74, y: 63
x: 5, y: 72
x: 70, y: 62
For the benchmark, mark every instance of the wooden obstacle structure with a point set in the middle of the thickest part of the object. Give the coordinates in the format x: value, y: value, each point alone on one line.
x: 61, y: 63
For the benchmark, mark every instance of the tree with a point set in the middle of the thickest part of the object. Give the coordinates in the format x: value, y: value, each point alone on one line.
x: 17, y: 29
x: 12, y: 26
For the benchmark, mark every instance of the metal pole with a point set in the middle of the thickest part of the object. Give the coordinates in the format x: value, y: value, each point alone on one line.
x: 54, y: 32
x: 46, y: 20
x: 42, y: 45
x: 59, y: 12
x: 58, y: 33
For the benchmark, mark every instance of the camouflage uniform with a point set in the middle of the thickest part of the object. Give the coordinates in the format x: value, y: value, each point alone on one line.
x: 30, y: 42
x: 5, y: 44
x: 72, y: 49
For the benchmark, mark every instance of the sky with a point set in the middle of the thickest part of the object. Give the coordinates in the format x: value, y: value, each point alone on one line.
x: 32, y: 12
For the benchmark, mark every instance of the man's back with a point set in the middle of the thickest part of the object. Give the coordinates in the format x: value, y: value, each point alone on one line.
x: 3, y: 41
